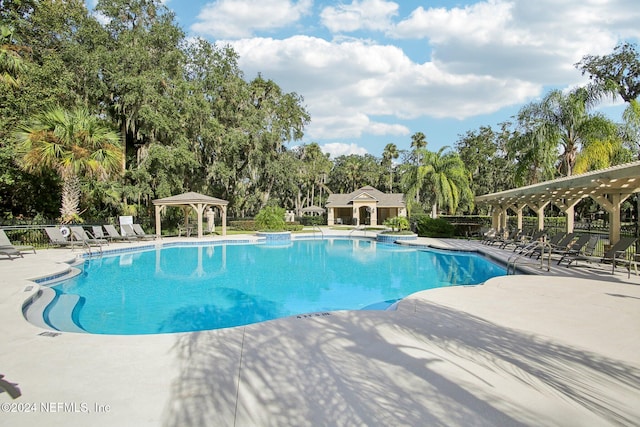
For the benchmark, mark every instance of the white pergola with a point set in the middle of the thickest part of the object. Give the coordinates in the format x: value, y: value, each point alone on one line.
x: 609, y: 187
x: 199, y: 202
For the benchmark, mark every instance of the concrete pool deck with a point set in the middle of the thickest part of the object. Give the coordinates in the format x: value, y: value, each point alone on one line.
x: 519, y: 350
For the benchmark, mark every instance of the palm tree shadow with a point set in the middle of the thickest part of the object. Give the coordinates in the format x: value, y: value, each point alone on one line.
x: 385, y: 368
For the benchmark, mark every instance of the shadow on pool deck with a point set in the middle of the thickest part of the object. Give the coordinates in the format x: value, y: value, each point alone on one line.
x: 434, y: 366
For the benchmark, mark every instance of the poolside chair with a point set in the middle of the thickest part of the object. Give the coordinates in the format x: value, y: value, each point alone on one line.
x: 140, y: 232
x: 10, y: 251
x: 82, y: 235
x: 585, y: 245
x: 515, y: 238
x: 97, y: 232
x: 526, y: 242
x: 492, y: 236
x: 136, y: 230
x: 56, y: 238
x: 502, y: 237
x: 615, y: 255
x: 113, y: 234
x: 6, y: 243
x: 560, y: 245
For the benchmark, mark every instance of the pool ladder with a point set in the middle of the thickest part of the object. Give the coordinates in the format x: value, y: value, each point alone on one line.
x: 358, y: 228
x: 515, y: 260
x: 86, y: 247
x: 319, y: 229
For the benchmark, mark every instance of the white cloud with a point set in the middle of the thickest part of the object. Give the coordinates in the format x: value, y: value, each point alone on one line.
x: 478, y: 23
x: 359, y: 15
x: 383, y: 129
x: 241, y: 18
x: 337, y: 149
x: 535, y: 41
x: 344, y: 84
x: 485, y: 57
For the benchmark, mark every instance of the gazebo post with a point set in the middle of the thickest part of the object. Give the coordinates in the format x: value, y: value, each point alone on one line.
x: 200, y: 210
x: 158, y: 222
x: 224, y: 220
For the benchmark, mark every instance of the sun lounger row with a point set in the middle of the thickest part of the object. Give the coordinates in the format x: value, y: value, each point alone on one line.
x: 569, y: 248
x: 100, y: 235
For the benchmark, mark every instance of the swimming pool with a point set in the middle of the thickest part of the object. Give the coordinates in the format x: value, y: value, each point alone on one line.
x: 191, y: 288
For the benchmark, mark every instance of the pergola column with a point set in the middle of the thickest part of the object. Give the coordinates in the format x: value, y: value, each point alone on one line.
x: 612, y: 204
x: 539, y: 210
x: 495, y: 217
x: 568, y: 207
x: 503, y: 221
x: 518, y: 210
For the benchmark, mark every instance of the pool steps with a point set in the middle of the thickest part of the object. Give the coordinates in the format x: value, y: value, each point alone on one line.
x: 48, y: 310
x: 36, y: 305
x: 59, y: 314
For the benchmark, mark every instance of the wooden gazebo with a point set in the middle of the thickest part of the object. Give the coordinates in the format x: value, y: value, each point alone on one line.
x: 198, y: 202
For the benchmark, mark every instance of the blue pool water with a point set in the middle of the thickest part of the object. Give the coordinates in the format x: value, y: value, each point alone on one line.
x: 193, y: 288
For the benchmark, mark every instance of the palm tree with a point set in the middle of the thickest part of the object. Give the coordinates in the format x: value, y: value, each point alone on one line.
x: 316, y: 165
x: 11, y: 63
x: 419, y: 144
x: 444, y: 176
x: 447, y: 180
x: 568, y: 121
x: 390, y: 154
x: 74, y: 144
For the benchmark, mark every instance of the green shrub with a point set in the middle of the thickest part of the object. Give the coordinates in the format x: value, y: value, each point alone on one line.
x: 430, y: 227
x: 398, y: 223
x: 271, y: 218
x: 294, y: 226
x: 244, y: 225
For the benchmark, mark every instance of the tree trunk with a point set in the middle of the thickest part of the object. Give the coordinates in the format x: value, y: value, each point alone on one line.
x: 70, y: 198
x: 434, y: 211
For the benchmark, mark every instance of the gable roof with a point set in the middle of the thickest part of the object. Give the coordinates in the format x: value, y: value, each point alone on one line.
x: 189, y: 198
x: 368, y: 193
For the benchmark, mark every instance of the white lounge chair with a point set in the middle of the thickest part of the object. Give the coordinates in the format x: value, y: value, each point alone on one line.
x: 6, y: 243
x: 56, y: 238
x: 113, y: 234
x: 81, y: 235
x: 136, y: 230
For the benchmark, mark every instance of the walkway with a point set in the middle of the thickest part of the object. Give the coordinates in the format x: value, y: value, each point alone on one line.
x: 519, y: 350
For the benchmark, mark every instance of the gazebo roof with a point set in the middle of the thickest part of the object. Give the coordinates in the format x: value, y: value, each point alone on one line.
x: 314, y: 209
x: 190, y: 198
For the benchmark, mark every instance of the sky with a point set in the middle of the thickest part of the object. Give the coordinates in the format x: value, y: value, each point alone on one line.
x: 374, y: 72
